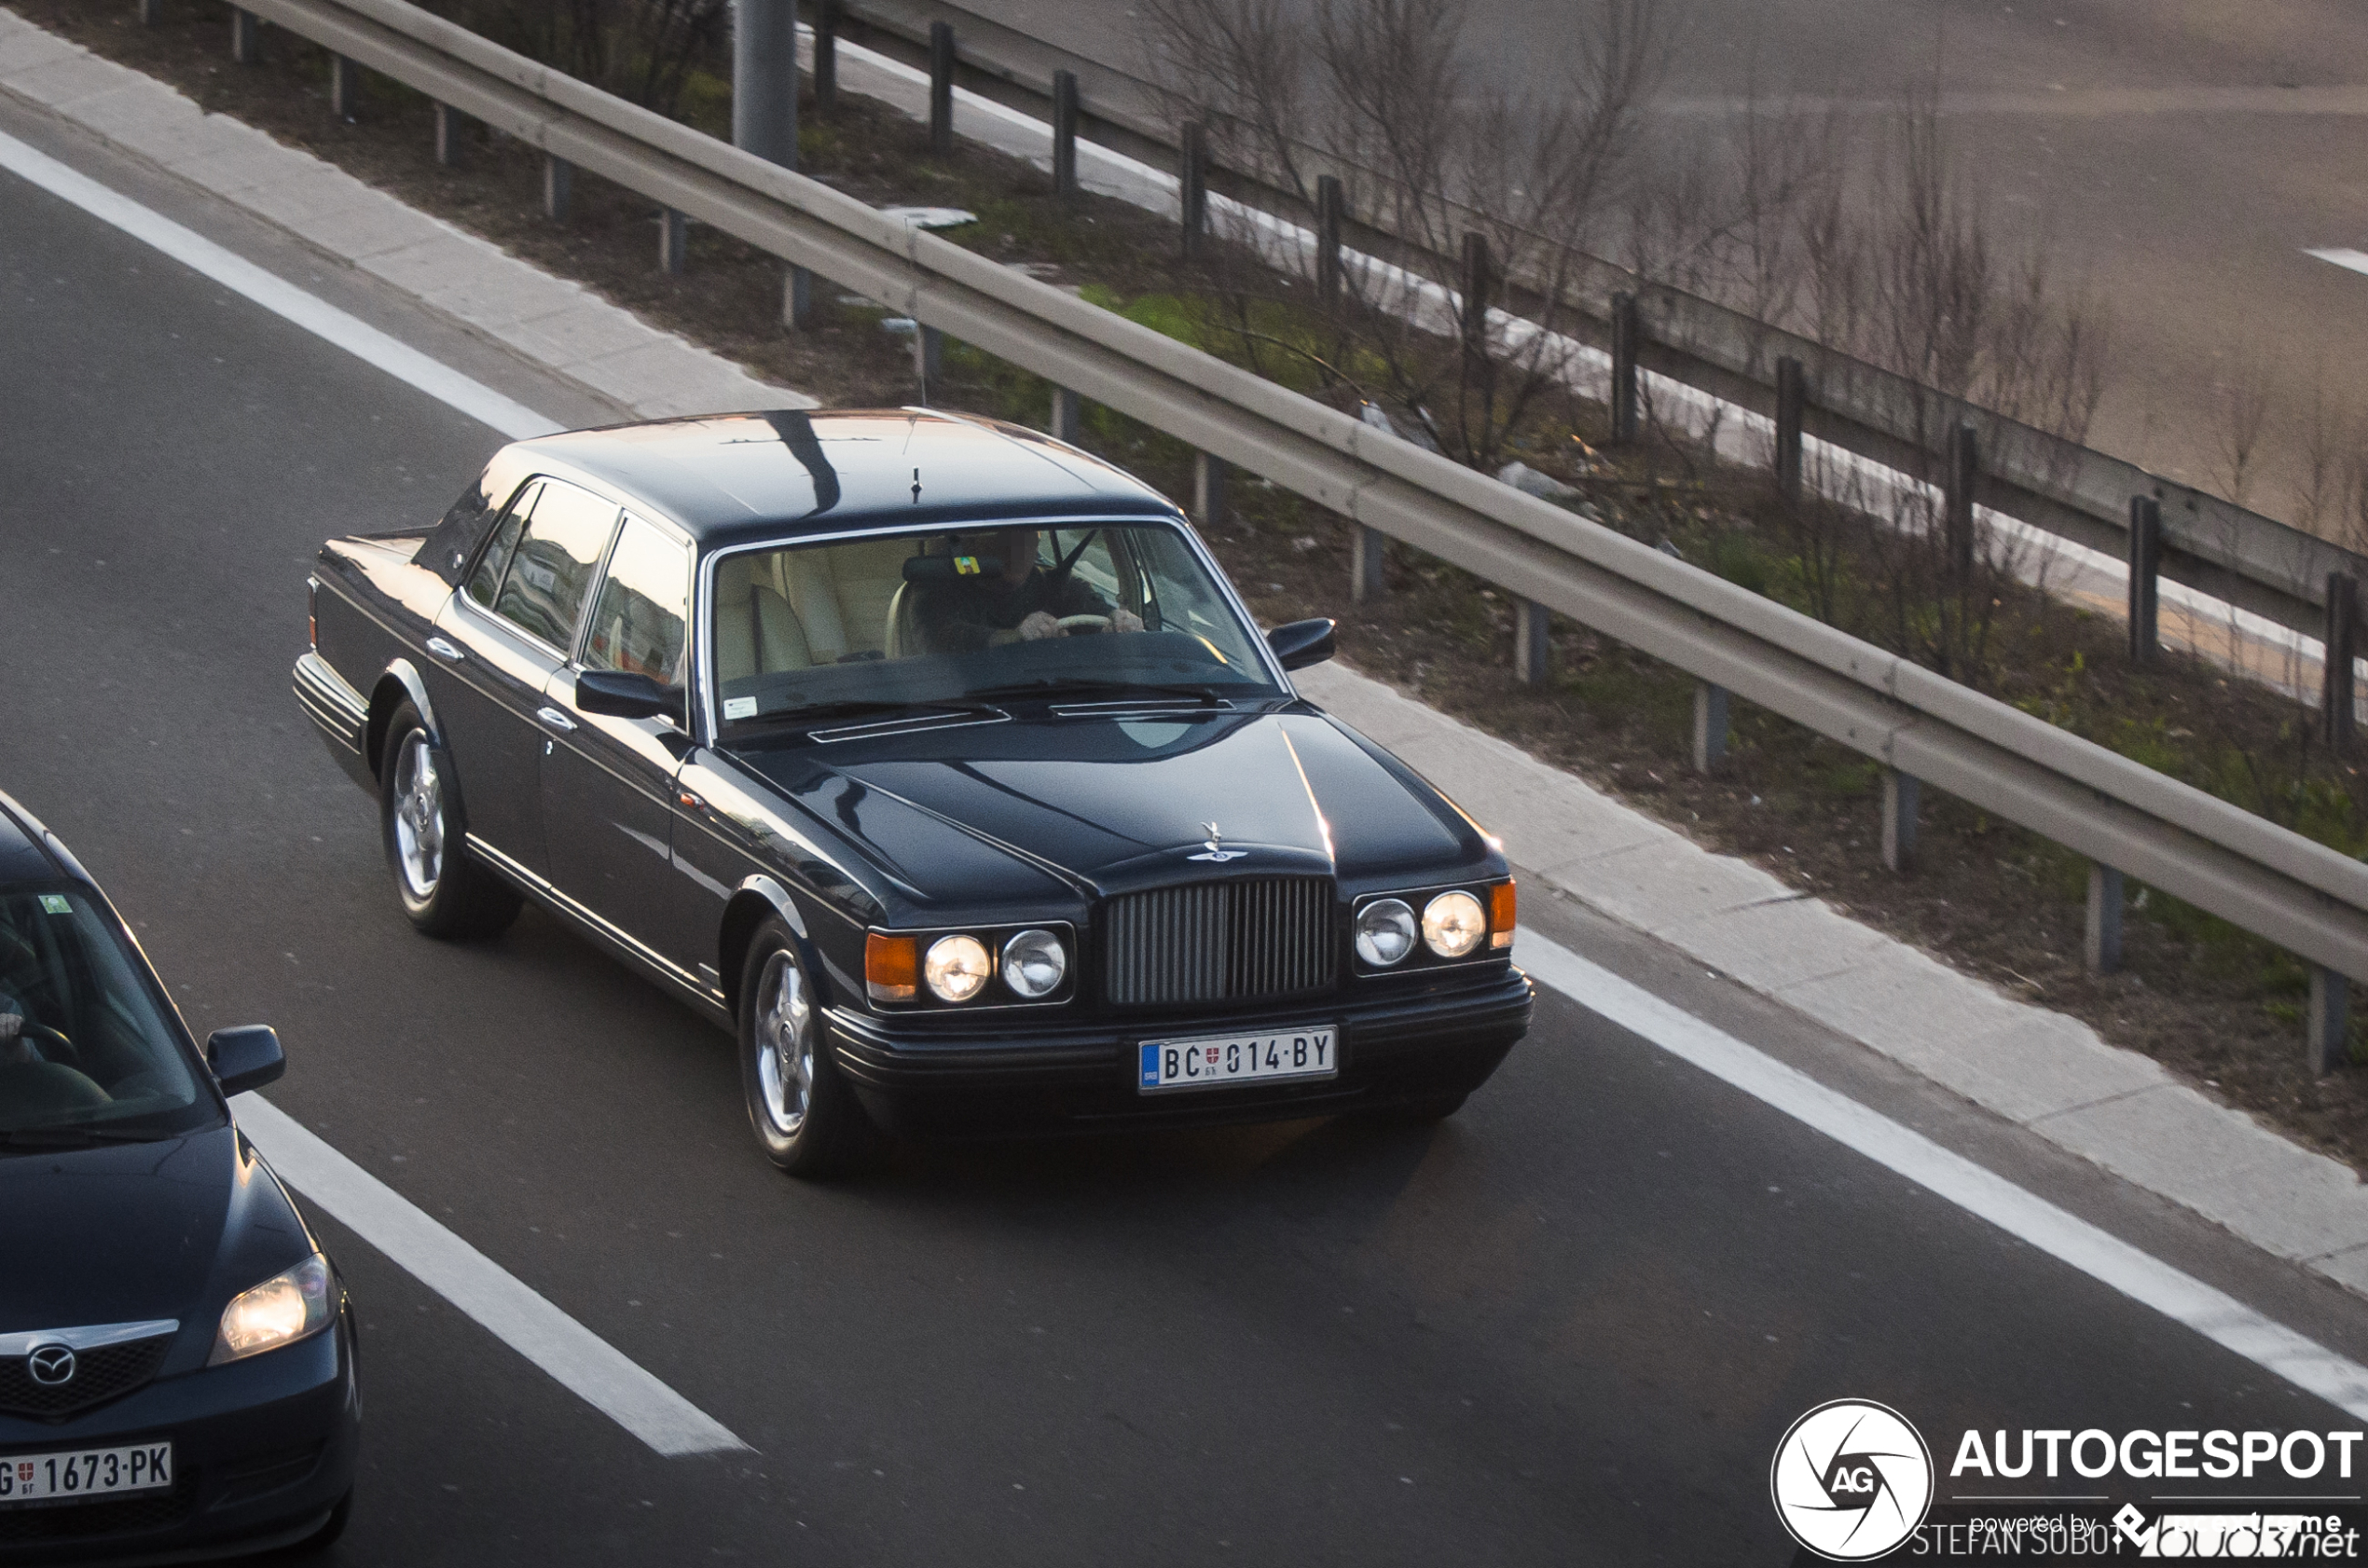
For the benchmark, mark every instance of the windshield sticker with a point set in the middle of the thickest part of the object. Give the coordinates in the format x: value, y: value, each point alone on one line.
x: 739, y: 707
x: 55, y: 903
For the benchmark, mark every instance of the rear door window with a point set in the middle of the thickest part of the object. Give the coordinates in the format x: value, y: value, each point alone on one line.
x: 551, y: 573
x: 487, y: 580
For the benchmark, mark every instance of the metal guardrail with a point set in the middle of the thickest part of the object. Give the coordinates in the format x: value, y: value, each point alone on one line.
x: 2288, y: 889
x: 2219, y: 549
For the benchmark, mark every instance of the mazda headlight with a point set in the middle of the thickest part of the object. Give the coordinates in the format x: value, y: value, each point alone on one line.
x: 1453, y: 923
x: 281, y: 1311
x: 957, y: 968
x: 1384, y: 931
x: 1033, y: 964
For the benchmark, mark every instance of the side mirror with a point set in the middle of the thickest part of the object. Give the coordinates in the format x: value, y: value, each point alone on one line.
x: 1302, y: 644
x: 624, y: 696
x: 245, y: 1058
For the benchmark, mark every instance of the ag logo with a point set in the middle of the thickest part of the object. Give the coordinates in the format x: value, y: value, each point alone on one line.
x: 1852, y: 1481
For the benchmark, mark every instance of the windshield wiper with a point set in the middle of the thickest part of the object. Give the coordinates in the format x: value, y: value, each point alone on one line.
x: 855, y: 707
x: 76, y: 1137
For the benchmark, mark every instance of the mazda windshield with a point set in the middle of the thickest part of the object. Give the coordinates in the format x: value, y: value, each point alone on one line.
x: 87, y: 1054
x: 870, y: 625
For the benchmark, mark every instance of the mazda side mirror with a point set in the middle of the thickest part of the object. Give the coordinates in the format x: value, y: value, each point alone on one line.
x: 247, y: 1058
x: 1300, y: 643
x: 624, y: 695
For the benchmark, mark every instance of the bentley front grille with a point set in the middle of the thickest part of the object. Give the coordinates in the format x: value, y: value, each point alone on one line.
x: 1220, y: 941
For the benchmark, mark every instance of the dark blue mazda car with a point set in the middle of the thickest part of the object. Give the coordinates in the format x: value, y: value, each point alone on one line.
x: 176, y: 1353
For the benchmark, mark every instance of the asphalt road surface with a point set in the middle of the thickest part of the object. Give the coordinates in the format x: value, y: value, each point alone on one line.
x: 1567, y: 1327
x: 2178, y: 157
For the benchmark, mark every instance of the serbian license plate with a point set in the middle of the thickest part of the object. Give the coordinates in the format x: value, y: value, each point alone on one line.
x: 1211, y: 1063
x: 58, y: 1477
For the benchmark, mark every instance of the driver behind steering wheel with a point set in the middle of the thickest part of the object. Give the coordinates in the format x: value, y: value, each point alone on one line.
x: 964, y: 614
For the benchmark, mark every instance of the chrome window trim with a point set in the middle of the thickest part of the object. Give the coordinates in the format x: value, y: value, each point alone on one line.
x: 704, y: 703
x: 582, y: 611
x: 88, y: 1337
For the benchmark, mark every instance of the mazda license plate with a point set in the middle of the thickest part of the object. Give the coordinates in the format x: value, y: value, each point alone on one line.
x: 1213, y: 1062
x: 57, y: 1478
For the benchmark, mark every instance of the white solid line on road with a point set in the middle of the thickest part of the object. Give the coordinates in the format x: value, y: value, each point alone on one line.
x: 2102, y: 1256
x: 276, y: 294
x: 2356, y: 260
x: 587, y: 1365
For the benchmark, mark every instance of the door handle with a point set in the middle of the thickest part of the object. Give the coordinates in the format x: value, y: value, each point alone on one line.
x: 444, y: 650
x: 555, y: 718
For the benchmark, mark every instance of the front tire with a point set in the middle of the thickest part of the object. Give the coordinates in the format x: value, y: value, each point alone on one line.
x: 802, y: 1110
x: 444, y: 891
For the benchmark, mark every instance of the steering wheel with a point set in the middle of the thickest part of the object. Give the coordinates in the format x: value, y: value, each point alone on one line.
x: 1071, y: 623
x: 30, y: 1028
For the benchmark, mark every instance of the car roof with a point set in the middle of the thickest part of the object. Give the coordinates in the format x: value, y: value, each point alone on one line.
x: 728, y: 478
x: 31, y: 853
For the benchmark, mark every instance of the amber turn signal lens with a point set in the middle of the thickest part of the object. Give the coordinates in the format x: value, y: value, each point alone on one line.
x: 1501, y: 904
x: 891, y: 967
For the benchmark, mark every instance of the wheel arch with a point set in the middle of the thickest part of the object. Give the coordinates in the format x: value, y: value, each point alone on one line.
x: 756, y: 898
x: 401, y: 680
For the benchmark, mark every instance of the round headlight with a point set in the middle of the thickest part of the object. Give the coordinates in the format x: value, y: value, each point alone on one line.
x: 1033, y: 964
x: 1453, y: 923
x: 1384, y: 931
x: 957, y: 968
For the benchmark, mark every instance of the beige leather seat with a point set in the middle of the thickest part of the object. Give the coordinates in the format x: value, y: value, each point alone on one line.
x: 756, y: 632
x: 843, y: 595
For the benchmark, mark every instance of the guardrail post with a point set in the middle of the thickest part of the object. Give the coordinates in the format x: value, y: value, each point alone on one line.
x: 1208, y: 489
x: 1064, y: 134
x: 1533, y: 643
x: 1900, y: 801
x: 150, y: 12
x: 1365, y: 580
x: 2335, y: 710
x: 558, y: 188
x: 1957, y: 492
x: 1792, y: 402
x: 1624, y: 344
x: 1479, y: 281
x: 2328, y: 1023
x: 941, y: 88
x: 797, y: 298
x: 451, y: 132
x: 2102, y: 950
x: 246, y: 36
x: 1710, y: 726
x: 1068, y: 415
x: 1195, y: 191
x: 2145, y: 579
x: 828, y: 18
x: 1331, y: 205
x: 674, y: 241
x: 345, y: 89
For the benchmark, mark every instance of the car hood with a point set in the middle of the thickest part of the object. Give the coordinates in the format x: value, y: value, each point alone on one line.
x: 137, y: 1231
x: 1106, y: 805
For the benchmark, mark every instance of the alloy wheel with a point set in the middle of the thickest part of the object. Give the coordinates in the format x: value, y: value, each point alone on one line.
x: 784, y: 1044
x: 418, y: 817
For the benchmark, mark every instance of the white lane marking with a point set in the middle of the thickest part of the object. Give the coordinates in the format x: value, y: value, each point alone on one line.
x: 587, y: 1365
x: 276, y: 294
x: 2356, y: 260
x: 2103, y: 1256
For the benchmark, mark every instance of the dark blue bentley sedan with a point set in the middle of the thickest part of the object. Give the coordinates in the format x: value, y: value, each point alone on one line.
x: 935, y: 759
x: 176, y: 1353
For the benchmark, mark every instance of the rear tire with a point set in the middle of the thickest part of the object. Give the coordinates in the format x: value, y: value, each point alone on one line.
x: 445, y: 892
x: 803, y: 1112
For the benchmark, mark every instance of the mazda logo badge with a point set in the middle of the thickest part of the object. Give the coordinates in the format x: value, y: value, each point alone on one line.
x: 50, y: 1366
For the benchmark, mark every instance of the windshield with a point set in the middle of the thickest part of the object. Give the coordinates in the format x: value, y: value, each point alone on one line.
x: 883, y: 622
x: 85, y: 1050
